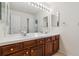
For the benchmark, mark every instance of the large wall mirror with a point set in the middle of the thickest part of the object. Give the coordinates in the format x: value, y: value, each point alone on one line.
x: 0, y: 10
x: 4, y: 18
x: 45, y: 24
x: 29, y: 17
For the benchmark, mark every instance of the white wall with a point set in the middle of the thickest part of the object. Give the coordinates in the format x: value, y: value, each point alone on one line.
x: 69, y: 27
x: 19, y: 21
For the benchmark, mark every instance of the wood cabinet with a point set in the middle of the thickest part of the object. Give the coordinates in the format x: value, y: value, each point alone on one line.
x: 37, y: 51
x: 51, y: 45
x: 27, y: 52
x: 53, y: 39
x: 38, y: 47
x: 41, y: 44
x: 0, y: 51
x: 8, y: 49
x: 40, y: 41
x: 48, y: 46
x: 28, y: 44
x: 22, y: 53
x: 56, y: 44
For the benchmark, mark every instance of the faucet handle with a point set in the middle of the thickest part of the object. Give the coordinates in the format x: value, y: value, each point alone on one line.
x: 23, y: 33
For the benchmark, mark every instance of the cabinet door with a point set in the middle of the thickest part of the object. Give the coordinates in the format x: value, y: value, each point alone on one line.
x: 37, y: 51
x: 56, y: 45
x: 48, y: 48
x: 0, y: 51
x: 53, y: 39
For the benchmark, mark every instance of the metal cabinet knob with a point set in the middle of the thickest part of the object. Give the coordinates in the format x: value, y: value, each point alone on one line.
x: 40, y: 41
x: 26, y: 52
x: 11, y: 49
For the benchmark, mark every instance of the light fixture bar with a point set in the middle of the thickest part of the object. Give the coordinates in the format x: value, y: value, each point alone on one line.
x: 40, y: 6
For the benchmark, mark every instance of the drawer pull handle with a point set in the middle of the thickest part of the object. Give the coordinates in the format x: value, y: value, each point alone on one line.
x: 11, y: 49
x: 32, y: 50
x: 40, y: 41
x: 26, y: 52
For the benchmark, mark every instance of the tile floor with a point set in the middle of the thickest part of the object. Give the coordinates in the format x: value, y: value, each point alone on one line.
x: 59, y: 54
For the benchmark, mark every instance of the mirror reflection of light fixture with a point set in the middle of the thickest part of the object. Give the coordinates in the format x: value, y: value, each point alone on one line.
x: 40, y: 6
x: 36, y: 22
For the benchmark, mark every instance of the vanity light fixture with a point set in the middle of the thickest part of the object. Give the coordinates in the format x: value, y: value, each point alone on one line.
x: 40, y: 6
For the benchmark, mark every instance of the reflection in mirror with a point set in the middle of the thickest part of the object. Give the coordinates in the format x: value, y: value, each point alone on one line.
x: 45, y: 24
x: 36, y: 21
x: 27, y: 25
x: 4, y: 22
x: 25, y: 17
x: 36, y: 25
x: 0, y: 10
x: 55, y: 19
x: 45, y: 21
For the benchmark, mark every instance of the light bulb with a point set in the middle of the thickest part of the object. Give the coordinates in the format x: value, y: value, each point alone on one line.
x: 40, y: 6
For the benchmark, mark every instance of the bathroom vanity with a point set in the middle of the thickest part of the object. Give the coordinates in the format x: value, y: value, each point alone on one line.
x: 27, y: 31
x: 45, y: 45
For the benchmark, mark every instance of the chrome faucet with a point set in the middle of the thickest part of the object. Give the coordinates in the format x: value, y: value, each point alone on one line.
x: 24, y: 33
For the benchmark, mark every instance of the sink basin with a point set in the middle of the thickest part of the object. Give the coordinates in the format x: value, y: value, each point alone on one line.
x: 34, y: 34
x: 14, y: 37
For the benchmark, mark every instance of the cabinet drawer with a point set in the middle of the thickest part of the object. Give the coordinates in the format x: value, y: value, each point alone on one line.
x: 48, y: 39
x: 28, y: 44
x: 40, y: 41
x: 22, y: 53
x: 37, y: 51
x: 11, y: 48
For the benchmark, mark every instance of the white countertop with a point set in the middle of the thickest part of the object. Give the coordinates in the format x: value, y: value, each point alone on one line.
x: 15, y: 38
